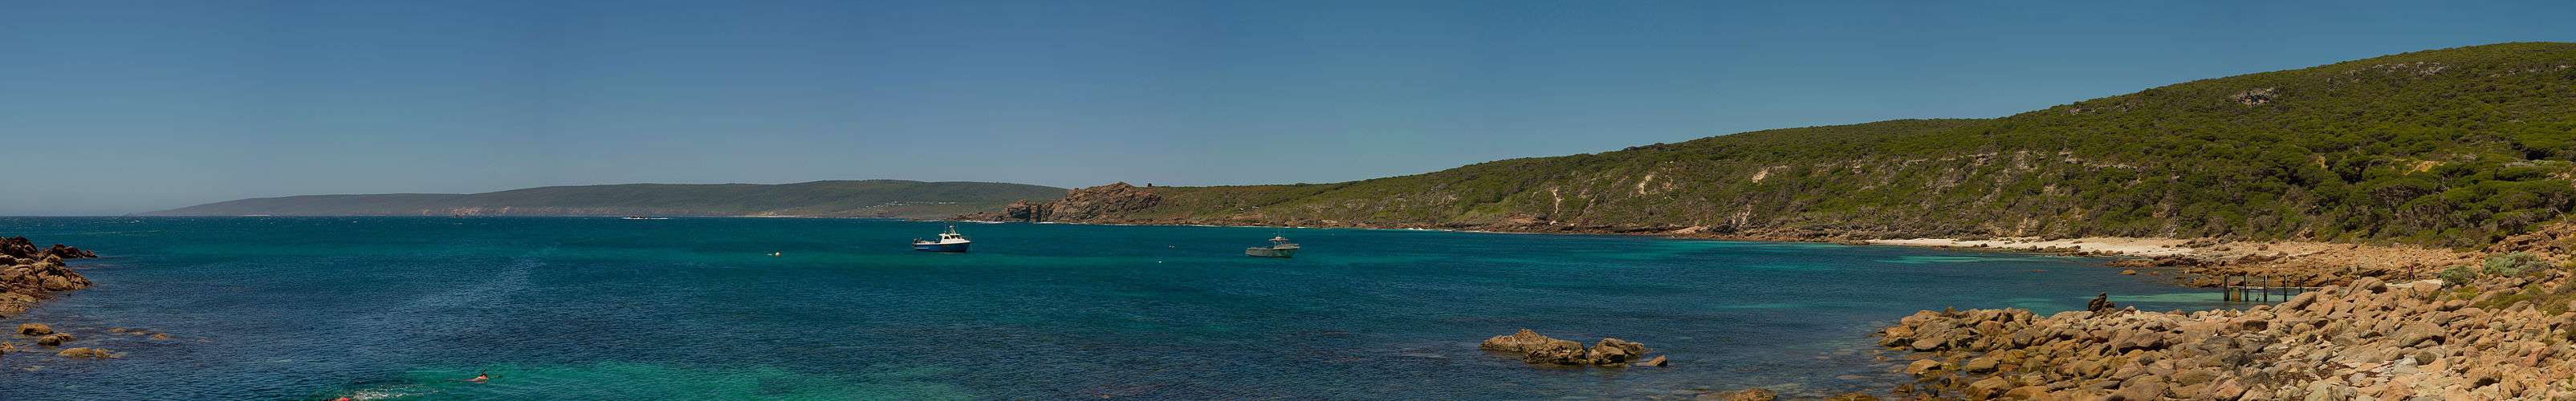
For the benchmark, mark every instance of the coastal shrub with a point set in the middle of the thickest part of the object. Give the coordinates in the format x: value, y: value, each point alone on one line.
x: 2514, y: 264
x: 2386, y: 149
x: 2457, y: 275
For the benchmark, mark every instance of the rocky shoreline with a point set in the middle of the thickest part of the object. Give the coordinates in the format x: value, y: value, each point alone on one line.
x: 32, y: 275
x: 2490, y: 325
x: 2456, y: 324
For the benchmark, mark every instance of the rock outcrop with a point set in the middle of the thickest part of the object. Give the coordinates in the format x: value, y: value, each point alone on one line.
x: 35, y: 275
x: 1544, y: 350
x: 29, y: 274
x: 2495, y: 338
x: 1080, y: 205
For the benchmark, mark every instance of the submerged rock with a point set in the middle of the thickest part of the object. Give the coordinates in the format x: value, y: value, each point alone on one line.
x: 1658, y: 361
x: 86, y: 353
x: 55, y: 340
x: 1750, y: 394
x: 34, y: 329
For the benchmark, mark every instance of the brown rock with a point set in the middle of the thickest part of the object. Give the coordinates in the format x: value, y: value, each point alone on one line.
x: 2143, y: 387
x: 1658, y: 361
x: 34, y: 329
x: 1920, y: 367
x: 2413, y: 333
x: 1853, y: 396
x: 55, y: 340
x: 1612, y: 351
x: 59, y: 283
x: 2100, y: 302
x: 1522, y: 341
x: 1750, y: 394
x: 2032, y: 392
x: 1990, y: 387
x: 1986, y: 364
x: 86, y: 353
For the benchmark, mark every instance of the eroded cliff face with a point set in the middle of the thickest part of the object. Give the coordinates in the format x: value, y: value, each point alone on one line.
x: 1094, y: 204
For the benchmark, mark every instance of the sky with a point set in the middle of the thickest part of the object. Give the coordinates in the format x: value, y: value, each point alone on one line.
x: 115, y: 107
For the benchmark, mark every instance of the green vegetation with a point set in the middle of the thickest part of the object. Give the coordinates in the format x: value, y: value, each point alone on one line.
x: 871, y: 198
x: 2458, y: 275
x: 2448, y: 147
x: 2514, y: 264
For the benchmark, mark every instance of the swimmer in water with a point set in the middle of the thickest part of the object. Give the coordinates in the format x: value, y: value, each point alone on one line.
x: 480, y: 377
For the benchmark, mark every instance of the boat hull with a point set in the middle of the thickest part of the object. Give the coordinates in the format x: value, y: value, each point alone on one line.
x: 1271, y: 252
x: 947, y: 248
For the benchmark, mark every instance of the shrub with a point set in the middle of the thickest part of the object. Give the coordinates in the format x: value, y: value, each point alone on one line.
x: 2514, y: 264
x: 2458, y: 275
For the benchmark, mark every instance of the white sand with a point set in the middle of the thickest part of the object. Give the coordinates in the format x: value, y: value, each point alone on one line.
x: 2118, y: 245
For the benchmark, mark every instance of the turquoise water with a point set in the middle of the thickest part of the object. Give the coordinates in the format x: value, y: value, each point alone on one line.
x: 694, y: 308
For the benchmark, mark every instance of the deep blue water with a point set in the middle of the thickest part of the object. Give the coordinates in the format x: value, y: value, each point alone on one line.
x: 694, y: 308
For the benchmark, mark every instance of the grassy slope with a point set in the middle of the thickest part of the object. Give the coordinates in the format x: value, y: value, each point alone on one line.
x: 2454, y: 146
x: 875, y: 198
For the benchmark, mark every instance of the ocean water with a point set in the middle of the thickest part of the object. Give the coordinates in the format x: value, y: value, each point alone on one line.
x: 695, y: 308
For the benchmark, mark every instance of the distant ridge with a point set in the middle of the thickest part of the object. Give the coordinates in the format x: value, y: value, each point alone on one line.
x: 868, y: 198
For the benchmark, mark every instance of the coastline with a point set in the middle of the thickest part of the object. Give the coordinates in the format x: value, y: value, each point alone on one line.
x: 2198, y: 262
x: 32, y: 275
x: 2358, y: 336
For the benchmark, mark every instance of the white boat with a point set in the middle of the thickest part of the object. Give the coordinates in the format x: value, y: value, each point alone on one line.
x: 1279, y: 248
x: 950, y: 242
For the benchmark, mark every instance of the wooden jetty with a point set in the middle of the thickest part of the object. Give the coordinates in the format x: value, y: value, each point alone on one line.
x: 2253, y: 289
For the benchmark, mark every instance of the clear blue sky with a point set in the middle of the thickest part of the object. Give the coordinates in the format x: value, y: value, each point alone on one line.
x: 113, y: 107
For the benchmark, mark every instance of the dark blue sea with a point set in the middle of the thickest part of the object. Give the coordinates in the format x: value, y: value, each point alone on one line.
x: 696, y: 308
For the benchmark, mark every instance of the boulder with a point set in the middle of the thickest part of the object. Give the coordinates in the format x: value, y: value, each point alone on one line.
x: 1522, y: 341
x: 1984, y: 364
x: 1990, y: 387
x: 86, y: 353
x: 59, y: 283
x: 2143, y: 387
x: 1750, y: 394
x: 66, y: 252
x: 55, y: 340
x: 2032, y: 392
x: 1922, y: 366
x: 2100, y: 302
x: 34, y: 329
x: 1612, y: 351
x: 19, y: 248
x: 2413, y: 333
x: 1658, y: 361
x: 1853, y: 396
x: 1555, y: 352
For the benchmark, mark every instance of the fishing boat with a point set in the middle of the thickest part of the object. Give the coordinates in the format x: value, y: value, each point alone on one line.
x: 1279, y: 248
x: 950, y: 241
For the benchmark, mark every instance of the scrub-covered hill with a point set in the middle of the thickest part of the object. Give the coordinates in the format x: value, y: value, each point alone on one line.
x: 2456, y: 146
